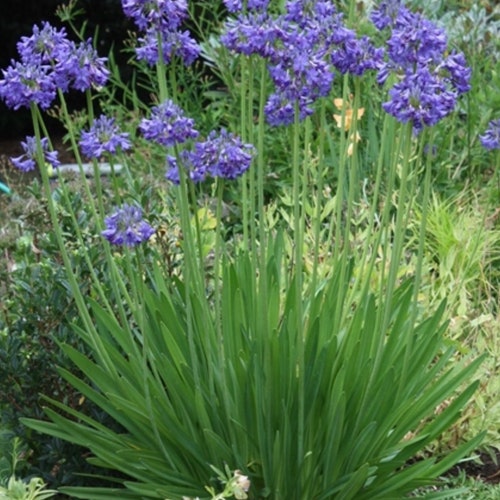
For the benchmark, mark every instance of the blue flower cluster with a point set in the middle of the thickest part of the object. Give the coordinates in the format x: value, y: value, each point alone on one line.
x: 303, y: 48
x: 428, y: 81
x: 103, y: 136
x: 161, y: 22
x: 27, y: 161
x: 221, y: 155
x: 168, y: 125
x: 50, y: 61
x: 126, y: 226
x: 491, y: 138
x: 237, y: 5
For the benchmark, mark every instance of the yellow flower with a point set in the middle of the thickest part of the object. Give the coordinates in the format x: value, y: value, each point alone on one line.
x: 347, y: 113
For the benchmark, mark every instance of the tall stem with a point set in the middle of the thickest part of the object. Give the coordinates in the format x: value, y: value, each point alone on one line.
x: 298, y: 280
x: 92, y: 336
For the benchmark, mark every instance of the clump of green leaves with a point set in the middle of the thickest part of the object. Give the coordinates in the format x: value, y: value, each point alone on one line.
x: 11, y: 459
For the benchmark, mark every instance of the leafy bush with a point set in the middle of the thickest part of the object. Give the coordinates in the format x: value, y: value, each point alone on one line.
x: 37, y: 313
x: 11, y: 459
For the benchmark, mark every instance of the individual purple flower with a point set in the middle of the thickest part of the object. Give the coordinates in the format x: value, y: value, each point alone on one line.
x: 173, y: 43
x: 27, y: 161
x: 173, y: 169
x: 82, y: 68
x: 103, y: 136
x: 233, y: 5
x: 221, y: 155
x: 26, y: 83
x: 491, y: 138
x: 168, y: 125
x: 126, y: 226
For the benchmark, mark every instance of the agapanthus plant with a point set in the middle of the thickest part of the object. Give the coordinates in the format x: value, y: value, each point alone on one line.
x: 274, y: 359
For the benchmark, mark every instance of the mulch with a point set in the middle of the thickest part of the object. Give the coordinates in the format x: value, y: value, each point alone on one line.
x: 485, y: 468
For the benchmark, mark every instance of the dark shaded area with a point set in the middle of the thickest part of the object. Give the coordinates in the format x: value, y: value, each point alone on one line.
x: 486, y: 468
x: 17, y: 20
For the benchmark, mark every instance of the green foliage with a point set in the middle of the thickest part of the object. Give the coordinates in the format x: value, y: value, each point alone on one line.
x: 463, y: 254
x: 11, y: 460
x: 464, y: 487
x: 17, y: 489
x: 308, y: 361
x: 232, y: 397
x: 37, y: 311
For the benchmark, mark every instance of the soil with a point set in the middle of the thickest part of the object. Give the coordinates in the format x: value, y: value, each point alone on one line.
x: 486, y: 468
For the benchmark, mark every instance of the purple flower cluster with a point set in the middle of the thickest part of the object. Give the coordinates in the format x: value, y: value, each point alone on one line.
x: 87, y: 68
x: 27, y: 161
x: 168, y: 125
x: 491, y: 138
x: 160, y: 21
x: 237, y: 5
x: 429, y: 81
x: 50, y: 61
x: 24, y: 83
x: 220, y: 155
x: 304, y: 47
x: 127, y: 227
x: 103, y: 136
